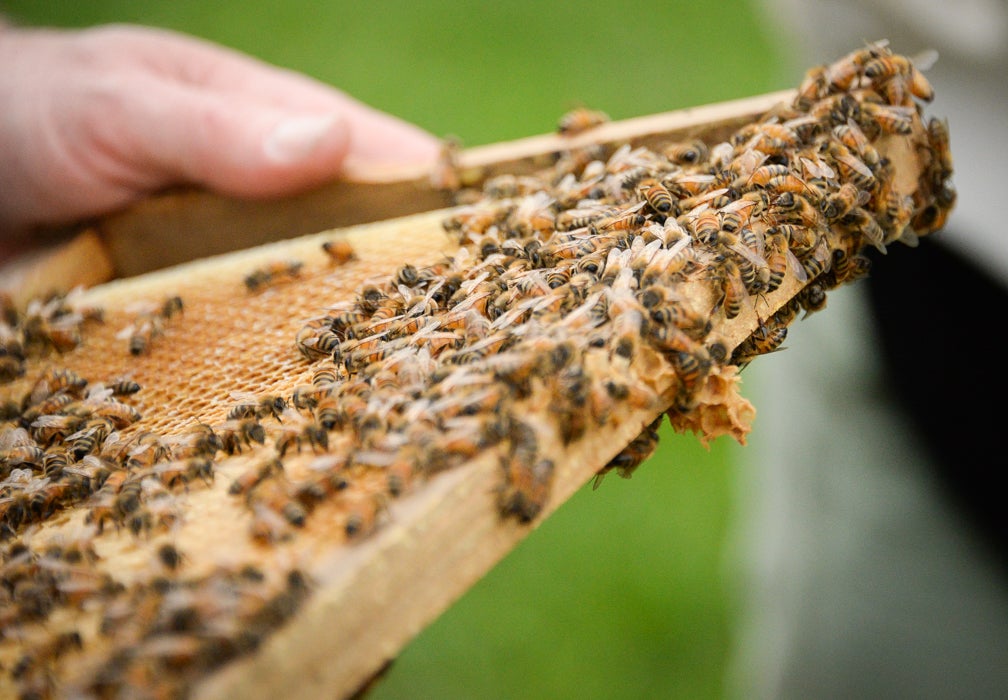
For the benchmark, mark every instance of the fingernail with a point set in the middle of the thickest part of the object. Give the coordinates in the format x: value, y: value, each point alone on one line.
x: 294, y: 139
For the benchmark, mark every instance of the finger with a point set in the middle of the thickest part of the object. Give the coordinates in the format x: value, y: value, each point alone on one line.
x: 377, y: 137
x: 164, y: 133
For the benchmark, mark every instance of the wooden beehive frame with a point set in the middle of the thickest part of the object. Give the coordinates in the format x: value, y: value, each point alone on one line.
x: 439, y: 539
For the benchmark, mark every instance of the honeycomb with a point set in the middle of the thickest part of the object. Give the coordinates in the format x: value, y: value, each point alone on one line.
x: 191, y: 460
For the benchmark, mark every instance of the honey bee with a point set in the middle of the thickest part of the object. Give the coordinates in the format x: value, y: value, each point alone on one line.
x: 657, y: 195
x: 765, y: 339
x: 813, y: 87
x: 777, y: 177
x: 123, y: 387
x: 938, y: 139
x: 199, y: 440
x: 317, y: 339
x: 840, y: 203
x: 183, y: 471
x: 339, y: 250
x: 256, y: 406
x: 887, y: 67
x: 236, y: 434
x: 888, y: 119
x: 298, y: 431
x: 733, y: 289
x: 692, y: 152
x: 364, y: 512
x: 626, y: 221
x: 268, y: 526
x: 842, y: 73
x: 142, y: 333
x: 169, y: 556
x: 707, y: 227
x: 271, y: 273
x: 779, y: 260
x: 633, y: 455
x: 579, y: 120
x: 275, y: 496
x: 251, y: 478
x: 861, y: 222
x: 855, y: 140
x: 120, y: 414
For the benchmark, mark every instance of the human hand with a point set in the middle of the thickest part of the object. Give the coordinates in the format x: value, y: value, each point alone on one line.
x: 94, y: 119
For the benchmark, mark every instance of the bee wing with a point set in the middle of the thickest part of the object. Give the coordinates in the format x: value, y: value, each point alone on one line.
x: 925, y: 59
x: 749, y: 254
x: 796, y: 267
x: 242, y: 395
x: 817, y: 168
x: 679, y: 246
x: 856, y: 164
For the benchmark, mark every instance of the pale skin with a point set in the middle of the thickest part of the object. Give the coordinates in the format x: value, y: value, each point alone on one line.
x: 95, y: 119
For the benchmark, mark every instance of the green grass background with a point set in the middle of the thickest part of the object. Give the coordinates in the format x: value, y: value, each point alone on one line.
x: 622, y: 593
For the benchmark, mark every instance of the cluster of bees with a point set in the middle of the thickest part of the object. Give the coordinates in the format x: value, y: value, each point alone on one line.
x: 53, y: 324
x: 161, y: 633
x: 531, y: 334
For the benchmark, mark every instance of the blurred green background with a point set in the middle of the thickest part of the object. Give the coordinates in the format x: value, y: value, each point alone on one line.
x: 623, y: 592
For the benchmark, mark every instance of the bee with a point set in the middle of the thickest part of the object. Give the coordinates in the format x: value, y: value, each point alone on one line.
x: 842, y: 201
x: 369, y: 298
x: 364, y: 513
x: 626, y: 221
x: 777, y: 177
x: 842, y: 73
x: 236, y: 434
x: 848, y: 266
x: 779, y: 259
x: 896, y: 211
x: 813, y: 87
x: 861, y: 222
x: 733, y: 289
x: 199, y: 440
x: 298, y: 431
x: 317, y: 339
x: 183, y: 471
x: 888, y: 119
x: 692, y: 152
x: 851, y: 168
x: 938, y: 139
x: 818, y: 260
x: 91, y: 434
x: 123, y: 387
x: 657, y: 195
x: 256, y: 406
x: 120, y: 414
x: 170, y: 557
x: 56, y: 381
x: 791, y: 208
x: 707, y: 227
x: 271, y: 273
x: 275, y: 496
x: 665, y: 308
x: 339, y: 250
x: 765, y: 339
x: 633, y: 455
x: 526, y: 486
x: 855, y: 140
x: 142, y: 333
x: 579, y: 120
x: 887, y: 67
x: 251, y: 478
